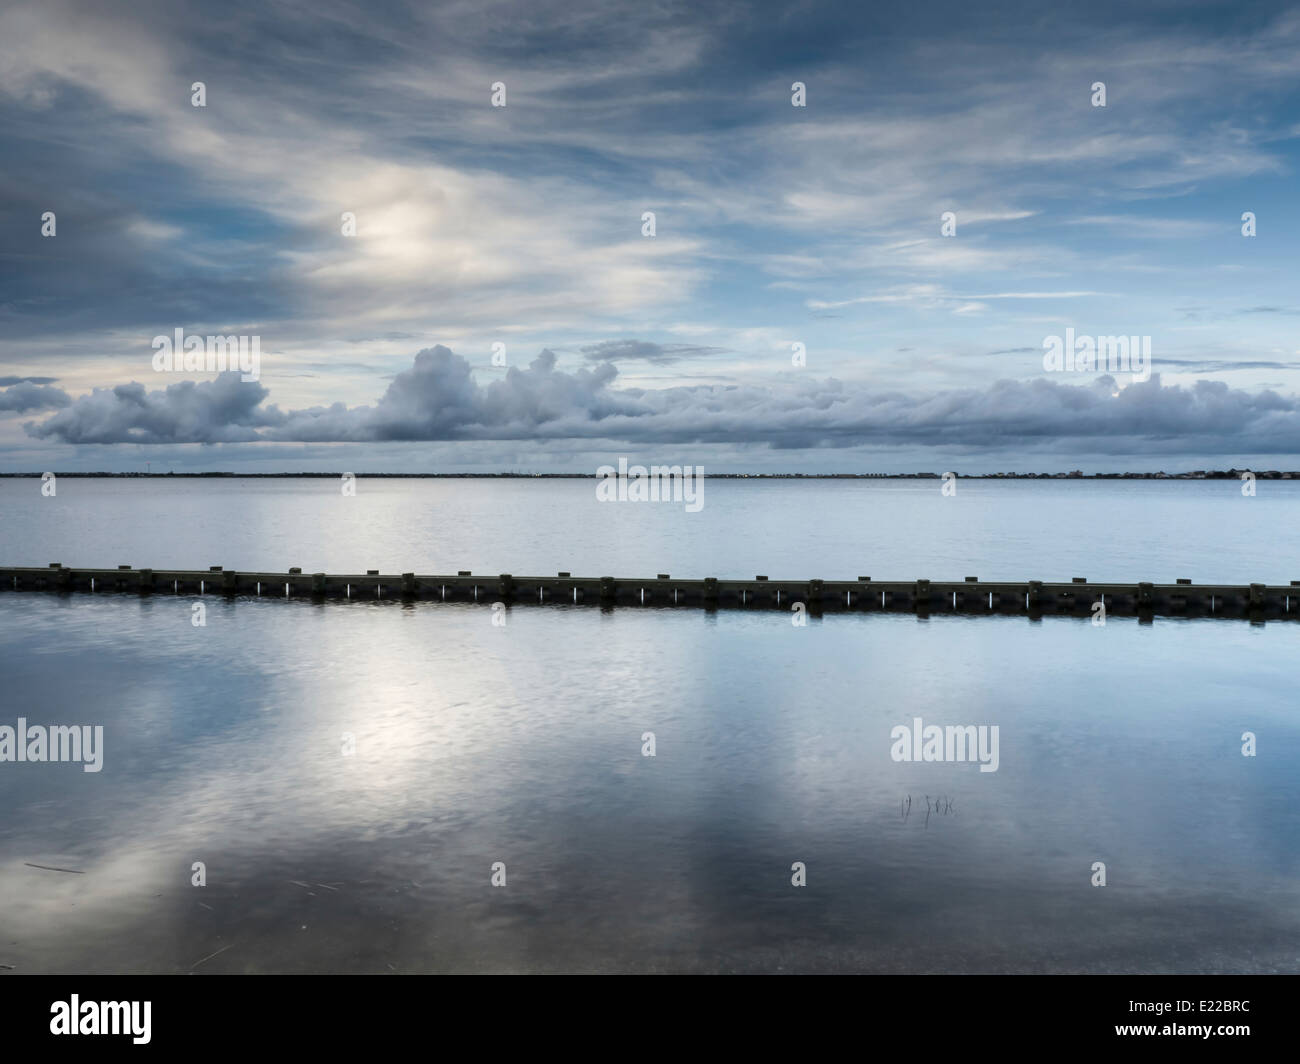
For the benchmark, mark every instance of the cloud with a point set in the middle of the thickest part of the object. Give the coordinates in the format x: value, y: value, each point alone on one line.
x: 522, y: 223
x: 645, y: 351
x: 1151, y: 227
x: 487, y: 218
x: 20, y: 395
x: 438, y: 399
x: 1035, y: 295
x: 1223, y: 366
x: 223, y: 410
x: 934, y: 296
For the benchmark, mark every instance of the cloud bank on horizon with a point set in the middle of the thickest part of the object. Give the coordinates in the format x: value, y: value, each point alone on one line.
x: 490, y: 231
x: 438, y: 399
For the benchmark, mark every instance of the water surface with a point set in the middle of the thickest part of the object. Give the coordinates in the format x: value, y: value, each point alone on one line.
x: 785, y: 529
x: 522, y: 744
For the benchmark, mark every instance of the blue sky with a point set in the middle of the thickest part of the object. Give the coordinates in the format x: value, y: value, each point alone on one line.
x: 775, y: 225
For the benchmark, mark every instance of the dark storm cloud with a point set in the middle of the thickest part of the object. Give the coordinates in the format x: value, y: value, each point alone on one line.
x: 21, y: 396
x: 438, y: 399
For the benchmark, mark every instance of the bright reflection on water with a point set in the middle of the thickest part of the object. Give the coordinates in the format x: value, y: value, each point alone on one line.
x: 522, y: 744
x: 836, y: 530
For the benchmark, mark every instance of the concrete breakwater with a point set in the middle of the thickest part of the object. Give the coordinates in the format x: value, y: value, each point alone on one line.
x: 967, y: 596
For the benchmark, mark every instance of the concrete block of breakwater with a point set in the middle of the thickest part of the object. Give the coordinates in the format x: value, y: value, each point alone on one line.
x: 892, y: 595
x: 1262, y: 597
x: 506, y: 587
x: 629, y: 591
x: 145, y: 581
x: 560, y: 589
x: 298, y: 583
x: 646, y: 592
x: 1231, y: 599
x: 177, y: 580
x: 246, y: 583
x: 1119, y: 598
x: 866, y: 596
x: 785, y: 594
x: 710, y: 592
x: 735, y: 593
x: 835, y: 593
x: 682, y: 593
x: 1074, y: 597
x: 757, y: 592
x: 969, y: 596
x: 459, y: 588
x: 1006, y: 598
x: 528, y: 589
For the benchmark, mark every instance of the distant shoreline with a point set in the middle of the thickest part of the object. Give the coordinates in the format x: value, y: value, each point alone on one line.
x: 1199, y: 474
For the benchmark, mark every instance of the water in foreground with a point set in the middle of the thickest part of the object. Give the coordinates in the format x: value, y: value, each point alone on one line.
x: 524, y: 744
x: 474, y: 743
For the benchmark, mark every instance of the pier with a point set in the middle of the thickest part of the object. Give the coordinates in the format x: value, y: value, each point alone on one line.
x: 967, y: 596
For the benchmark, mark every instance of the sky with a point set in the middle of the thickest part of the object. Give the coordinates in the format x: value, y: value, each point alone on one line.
x: 500, y: 304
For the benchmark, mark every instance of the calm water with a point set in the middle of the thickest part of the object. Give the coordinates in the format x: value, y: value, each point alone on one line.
x: 523, y: 744
x: 899, y: 530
